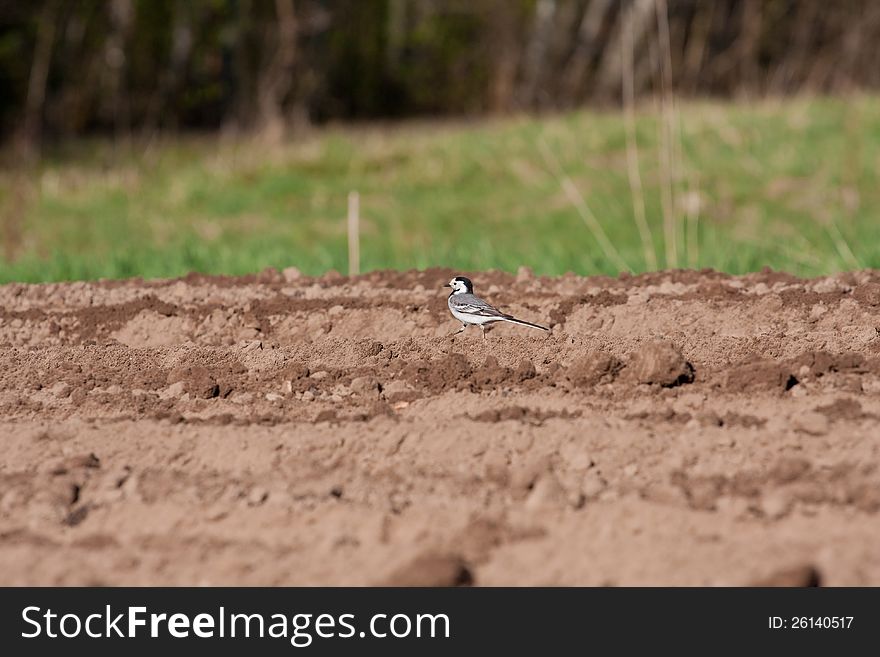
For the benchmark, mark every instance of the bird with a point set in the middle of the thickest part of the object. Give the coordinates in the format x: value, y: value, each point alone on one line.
x: 470, y: 309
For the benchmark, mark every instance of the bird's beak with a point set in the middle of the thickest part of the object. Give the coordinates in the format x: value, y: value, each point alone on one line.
x: 447, y: 285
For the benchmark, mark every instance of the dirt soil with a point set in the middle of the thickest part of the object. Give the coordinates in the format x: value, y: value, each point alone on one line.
x: 677, y: 428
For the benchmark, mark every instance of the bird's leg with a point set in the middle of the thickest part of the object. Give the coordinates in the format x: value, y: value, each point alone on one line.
x: 485, y: 328
x: 463, y: 327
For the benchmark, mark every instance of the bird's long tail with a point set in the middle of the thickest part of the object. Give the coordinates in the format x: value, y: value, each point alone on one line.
x: 514, y: 320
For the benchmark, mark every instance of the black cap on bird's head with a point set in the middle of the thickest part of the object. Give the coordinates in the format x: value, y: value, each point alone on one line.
x: 460, y: 284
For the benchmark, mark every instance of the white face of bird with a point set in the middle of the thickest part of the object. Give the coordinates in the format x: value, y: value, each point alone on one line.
x: 460, y: 285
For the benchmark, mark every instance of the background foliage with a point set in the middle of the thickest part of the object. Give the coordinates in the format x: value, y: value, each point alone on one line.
x: 122, y: 66
x: 156, y: 137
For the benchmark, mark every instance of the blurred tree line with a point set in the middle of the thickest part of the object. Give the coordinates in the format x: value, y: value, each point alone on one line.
x: 70, y: 67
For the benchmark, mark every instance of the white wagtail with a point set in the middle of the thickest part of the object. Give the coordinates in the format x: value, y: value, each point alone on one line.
x: 470, y: 309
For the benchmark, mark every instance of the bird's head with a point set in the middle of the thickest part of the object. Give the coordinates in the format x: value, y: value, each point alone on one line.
x: 461, y: 285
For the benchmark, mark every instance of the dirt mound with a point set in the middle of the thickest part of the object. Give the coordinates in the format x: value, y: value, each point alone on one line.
x: 755, y: 374
x: 594, y: 368
x: 660, y: 362
x: 280, y: 429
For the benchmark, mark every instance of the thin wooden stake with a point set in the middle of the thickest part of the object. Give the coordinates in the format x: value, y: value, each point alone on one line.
x: 354, y: 234
x: 632, y: 146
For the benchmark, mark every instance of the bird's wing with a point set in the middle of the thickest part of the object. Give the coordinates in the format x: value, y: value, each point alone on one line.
x: 473, y: 305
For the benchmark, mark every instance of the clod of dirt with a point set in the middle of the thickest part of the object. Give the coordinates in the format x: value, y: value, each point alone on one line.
x: 524, y: 274
x: 820, y: 363
x: 546, y: 492
x: 525, y: 371
x: 374, y: 348
x: 490, y: 373
x: 499, y: 414
x: 332, y: 276
x: 253, y: 345
x: 432, y: 569
x: 60, y: 389
x: 197, y: 381
x: 868, y: 294
x: 660, y: 362
x: 701, y: 492
x: 257, y: 496
x: 174, y: 390
x: 76, y: 516
x: 731, y: 419
x: 788, y: 470
x: 592, y: 484
x: 811, y: 423
x: 842, y: 409
x: 439, y: 374
x: 270, y: 275
x: 709, y: 418
x: 758, y: 374
x: 667, y: 414
x: 524, y: 474
x: 365, y: 386
x: 803, y: 575
x: 73, y: 463
x: 775, y: 504
x: 327, y: 415
x: 398, y: 391
x: 594, y: 368
x: 295, y: 372
x: 380, y: 408
x: 291, y: 274
x: 532, y: 416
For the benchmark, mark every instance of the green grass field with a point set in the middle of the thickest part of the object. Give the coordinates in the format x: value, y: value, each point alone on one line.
x: 791, y: 185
